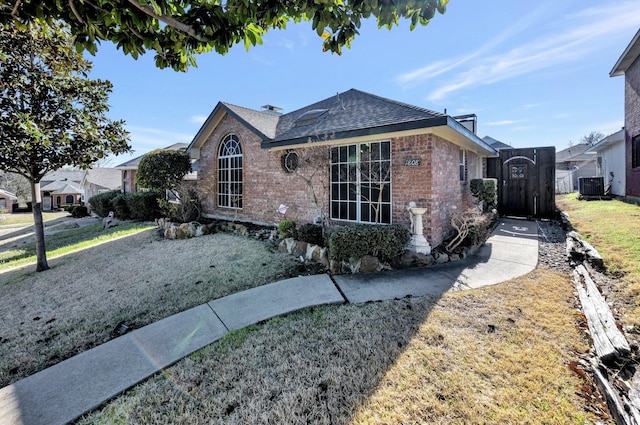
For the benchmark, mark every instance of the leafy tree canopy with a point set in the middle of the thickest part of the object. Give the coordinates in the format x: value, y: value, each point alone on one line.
x: 51, y: 115
x: 162, y: 169
x: 177, y: 30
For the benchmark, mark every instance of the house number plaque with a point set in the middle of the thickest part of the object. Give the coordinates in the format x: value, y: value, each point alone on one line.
x: 412, y: 162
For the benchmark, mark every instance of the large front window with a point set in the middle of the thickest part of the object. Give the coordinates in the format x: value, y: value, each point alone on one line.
x: 361, y: 182
x: 230, y: 173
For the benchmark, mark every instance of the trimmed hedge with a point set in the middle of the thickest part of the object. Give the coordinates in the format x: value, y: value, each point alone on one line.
x: 311, y: 233
x: 287, y: 229
x: 485, y: 190
x: 384, y: 242
x: 141, y: 206
x: 102, y: 203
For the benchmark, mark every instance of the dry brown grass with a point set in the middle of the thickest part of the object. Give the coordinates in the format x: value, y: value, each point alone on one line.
x: 494, y: 355
x: 50, y: 316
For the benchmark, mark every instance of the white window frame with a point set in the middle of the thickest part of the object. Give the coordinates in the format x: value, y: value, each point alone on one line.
x: 351, y: 197
x: 230, y: 173
x: 463, y: 166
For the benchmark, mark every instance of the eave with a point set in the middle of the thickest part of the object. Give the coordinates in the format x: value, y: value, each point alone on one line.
x: 443, y: 126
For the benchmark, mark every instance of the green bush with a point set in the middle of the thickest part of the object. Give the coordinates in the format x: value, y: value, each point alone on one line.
x: 102, y: 203
x: 143, y: 206
x: 310, y: 233
x: 384, y: 242
x: 287, y: 229
x: 78, y: 211
x: 485, y: 190
x: 121, y: 207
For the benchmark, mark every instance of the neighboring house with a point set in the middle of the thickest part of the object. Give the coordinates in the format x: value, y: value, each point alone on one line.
x: 128, y: 169
x: 7, y: 201
x: 571, y: 164
x: 351, y: 158
x: 99, y: 180
x: 496, y: 144
x: 610, y: 161
x: 60, y: 188
x: 629, y: 66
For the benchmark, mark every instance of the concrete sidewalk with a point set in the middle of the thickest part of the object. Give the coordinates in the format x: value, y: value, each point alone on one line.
x: 64, y: 392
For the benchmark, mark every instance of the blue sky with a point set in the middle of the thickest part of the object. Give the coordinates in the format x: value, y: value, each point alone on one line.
x: 536, y: 73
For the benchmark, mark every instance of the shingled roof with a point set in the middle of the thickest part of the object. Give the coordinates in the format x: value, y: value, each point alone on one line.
x: 350, y: 114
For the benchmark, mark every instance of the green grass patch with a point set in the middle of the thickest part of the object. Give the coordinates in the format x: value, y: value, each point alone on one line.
x: 27, y: 218
x: 69, y: 241
x: 613, y: 228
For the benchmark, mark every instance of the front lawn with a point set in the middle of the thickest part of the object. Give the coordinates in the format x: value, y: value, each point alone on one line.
x: 613, y: 227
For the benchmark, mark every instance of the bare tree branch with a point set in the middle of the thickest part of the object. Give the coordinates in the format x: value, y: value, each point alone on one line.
x: 75, y: 12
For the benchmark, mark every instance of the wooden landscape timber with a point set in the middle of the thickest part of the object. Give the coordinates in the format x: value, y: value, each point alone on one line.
x: 610, y: 344
x: 615, y: 364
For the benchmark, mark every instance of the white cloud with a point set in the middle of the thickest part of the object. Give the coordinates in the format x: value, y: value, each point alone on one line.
x: 198, y: 119
x: 144, y: 139
x: 582, y: 35
x: 503, y: 122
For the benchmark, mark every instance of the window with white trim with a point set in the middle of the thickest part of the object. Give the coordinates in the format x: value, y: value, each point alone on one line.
x: 463, y: 165
x: 230, y: 173
x: 361, y: 182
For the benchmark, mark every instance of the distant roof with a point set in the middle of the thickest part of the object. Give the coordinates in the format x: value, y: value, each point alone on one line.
x: 72, y: 175
x: 608, y: 141
x: 109, y: 178
x: 496, y: 144
x: 628, y: 57
x: 574, y: 153
x: 61, y: 186
x: 133, y: 163
x: 8, y: 194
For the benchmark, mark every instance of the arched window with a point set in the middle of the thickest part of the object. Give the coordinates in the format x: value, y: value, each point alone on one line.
x: 69, y: 199
x: 230, y: 173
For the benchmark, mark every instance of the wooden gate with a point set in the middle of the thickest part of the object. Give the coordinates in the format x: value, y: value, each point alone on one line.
x: 526, y: 181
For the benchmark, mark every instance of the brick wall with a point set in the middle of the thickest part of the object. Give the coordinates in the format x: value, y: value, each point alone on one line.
x: 434, y: 184
x: 266, y: 184
x: 632, y: 124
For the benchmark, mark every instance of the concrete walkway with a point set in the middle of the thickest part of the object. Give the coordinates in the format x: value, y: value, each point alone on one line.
x: 64, y: 392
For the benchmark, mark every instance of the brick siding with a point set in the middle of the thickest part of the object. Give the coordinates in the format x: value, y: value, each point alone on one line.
x: 632, y: 124
x: 434, y: 184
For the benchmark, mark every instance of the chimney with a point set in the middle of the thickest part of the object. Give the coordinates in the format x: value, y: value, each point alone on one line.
x: 270, y: 109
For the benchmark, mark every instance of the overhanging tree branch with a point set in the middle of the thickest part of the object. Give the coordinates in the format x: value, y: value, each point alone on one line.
x: 173, y: 23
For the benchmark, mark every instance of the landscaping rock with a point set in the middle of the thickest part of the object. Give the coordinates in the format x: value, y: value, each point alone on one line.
x: 412, y: 259
x: 369, y: 264
x: 300, y: 249
x: 441, y: 257
x: 182, y: 231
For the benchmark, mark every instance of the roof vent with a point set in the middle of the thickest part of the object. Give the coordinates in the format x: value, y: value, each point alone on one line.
x: 310, y: 117
x: 271, y: 109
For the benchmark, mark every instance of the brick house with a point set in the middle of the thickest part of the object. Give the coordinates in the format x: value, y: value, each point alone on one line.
x: 8, y: 201
x: 351, y: 158
x: 60, y: 188
x: 629, y: 66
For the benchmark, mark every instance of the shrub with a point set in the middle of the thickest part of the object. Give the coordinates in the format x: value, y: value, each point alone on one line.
x: 485, y: 190
x: 143, y: 206
x: 287, y: 229
x: 102, y: 203
x: 384, y: 242
x: 310, y: 233
x: 78, y: 211
x: 121, y: 207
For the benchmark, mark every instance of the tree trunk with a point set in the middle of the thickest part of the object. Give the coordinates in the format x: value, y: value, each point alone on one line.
x: 38, y: 226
